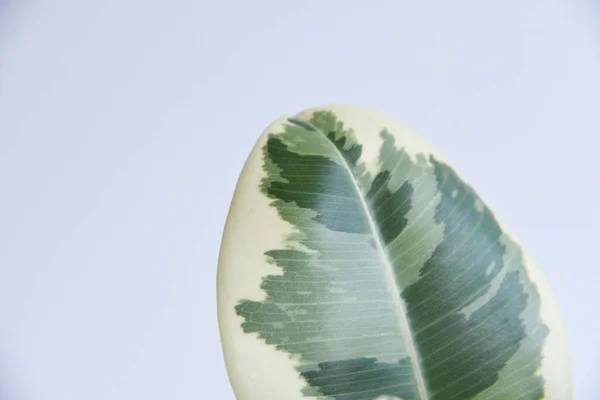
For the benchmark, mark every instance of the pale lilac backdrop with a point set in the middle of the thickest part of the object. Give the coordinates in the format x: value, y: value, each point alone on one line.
x: 124, y: 125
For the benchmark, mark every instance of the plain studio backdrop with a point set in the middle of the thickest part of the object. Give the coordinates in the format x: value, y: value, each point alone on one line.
x: 124, y: 125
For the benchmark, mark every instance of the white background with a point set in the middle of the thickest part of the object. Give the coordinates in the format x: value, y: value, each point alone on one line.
x: 124, y: 125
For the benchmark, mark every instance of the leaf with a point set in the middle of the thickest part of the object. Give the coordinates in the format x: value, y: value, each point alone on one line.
x: 391, y: 278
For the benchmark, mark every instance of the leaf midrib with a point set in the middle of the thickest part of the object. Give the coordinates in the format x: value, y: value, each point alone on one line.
x: 394, y: 292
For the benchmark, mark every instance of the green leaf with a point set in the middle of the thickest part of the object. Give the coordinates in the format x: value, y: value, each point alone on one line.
x: 394, y: 278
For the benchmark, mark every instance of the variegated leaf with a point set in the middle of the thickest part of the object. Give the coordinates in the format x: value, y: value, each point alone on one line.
x: 357, y: 264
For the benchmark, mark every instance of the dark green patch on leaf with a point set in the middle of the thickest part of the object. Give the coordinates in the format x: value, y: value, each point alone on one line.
x: 319, y: 184
x: 361, y: 378
x: 389, y: 208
